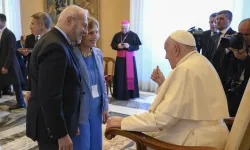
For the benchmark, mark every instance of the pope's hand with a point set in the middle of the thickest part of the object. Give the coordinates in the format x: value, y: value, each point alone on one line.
x: 114, y: 122
x: 120, y: 46
x: 157, y: 76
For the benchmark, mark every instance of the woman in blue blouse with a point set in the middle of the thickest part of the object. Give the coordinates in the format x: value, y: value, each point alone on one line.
x: 94, y: 102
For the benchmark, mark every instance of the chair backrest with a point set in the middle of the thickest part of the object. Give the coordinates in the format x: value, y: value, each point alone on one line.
x: 239, y: 137
x: 106, y: 65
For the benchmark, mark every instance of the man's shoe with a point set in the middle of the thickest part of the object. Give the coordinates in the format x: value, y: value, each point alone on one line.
x: 8, y: 93
x: 17, y: 106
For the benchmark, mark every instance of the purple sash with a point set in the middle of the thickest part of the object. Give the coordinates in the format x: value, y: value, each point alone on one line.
x: 129, y: 67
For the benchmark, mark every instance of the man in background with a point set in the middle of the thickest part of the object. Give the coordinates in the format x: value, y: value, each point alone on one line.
x: 125, y: 43
x: 40, y: 24
x: 216, y: 52
x: 10, y: 70
x: 207, y: 34
x: 237, y: 62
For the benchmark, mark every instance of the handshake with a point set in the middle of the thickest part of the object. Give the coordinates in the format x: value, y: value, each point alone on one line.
x: 123, y: 45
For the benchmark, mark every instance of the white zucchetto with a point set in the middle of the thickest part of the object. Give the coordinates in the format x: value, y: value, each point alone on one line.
x: 183, y: 37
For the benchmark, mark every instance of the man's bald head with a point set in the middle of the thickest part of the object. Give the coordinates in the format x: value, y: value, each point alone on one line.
x: 73, y: 11
x: 73, y: 21
x: 177, y: 45
x: 244, y: 28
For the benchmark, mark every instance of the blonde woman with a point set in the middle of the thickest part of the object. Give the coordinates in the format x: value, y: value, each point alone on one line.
x: 94, y: 102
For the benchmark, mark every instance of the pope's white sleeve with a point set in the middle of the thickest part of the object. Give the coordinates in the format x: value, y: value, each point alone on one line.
x: 158, y: 89
x: 148, y: 122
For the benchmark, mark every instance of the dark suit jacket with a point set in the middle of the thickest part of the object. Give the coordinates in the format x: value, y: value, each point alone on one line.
x: 216, y: 54
x: 29, y: 43
x: 54, y: 105
x: 204, y: 41
x: 9, y: 60
x: 235, y: 68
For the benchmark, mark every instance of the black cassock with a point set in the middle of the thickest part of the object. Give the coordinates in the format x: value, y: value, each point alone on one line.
x: 125, y: 75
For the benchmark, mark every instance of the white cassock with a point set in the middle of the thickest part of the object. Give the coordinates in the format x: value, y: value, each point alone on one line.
x: 189, y: 107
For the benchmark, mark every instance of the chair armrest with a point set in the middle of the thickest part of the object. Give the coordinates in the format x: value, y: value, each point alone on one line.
x: 229, y: 120
x: 142, y: 141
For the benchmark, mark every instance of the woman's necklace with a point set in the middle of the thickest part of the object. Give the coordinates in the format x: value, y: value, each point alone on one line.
x: 87, y: 54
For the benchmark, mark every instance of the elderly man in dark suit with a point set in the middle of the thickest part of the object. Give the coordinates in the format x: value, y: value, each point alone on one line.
x: 10, y: 70
x: 216, y: 52
x: 207, y: 34
x: 54, y: 105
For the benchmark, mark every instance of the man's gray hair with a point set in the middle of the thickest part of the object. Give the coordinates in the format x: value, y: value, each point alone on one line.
x: 43, y: 17
x: 228, y: 14
x: 70, y: 11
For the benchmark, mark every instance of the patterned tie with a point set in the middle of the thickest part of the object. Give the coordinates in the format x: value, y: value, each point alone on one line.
x: 213, y: 33
x: 37, y: 37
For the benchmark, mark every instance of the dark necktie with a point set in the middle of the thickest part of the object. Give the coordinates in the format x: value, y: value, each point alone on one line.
x: 219, y: 38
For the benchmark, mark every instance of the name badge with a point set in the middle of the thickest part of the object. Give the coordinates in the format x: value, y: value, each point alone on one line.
x: 95, y: 91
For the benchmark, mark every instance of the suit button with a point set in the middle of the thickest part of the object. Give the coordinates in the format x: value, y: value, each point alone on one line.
x: 51, y: 136
x: 48, y: 130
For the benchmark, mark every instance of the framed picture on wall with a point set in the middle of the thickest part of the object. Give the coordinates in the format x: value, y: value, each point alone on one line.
x: 55, y: 7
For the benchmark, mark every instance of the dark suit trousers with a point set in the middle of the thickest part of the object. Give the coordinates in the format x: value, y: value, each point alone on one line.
x: 28, y: 72
x: 18, y: 91
x: 48, y: 146
x: 19, y: 94
x: 25, y: 81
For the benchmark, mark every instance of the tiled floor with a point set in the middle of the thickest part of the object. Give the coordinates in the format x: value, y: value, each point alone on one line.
x: 12, y: 124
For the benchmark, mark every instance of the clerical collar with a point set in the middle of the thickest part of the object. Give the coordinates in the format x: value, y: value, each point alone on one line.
x: 125, y: 33
x: 186, y: 57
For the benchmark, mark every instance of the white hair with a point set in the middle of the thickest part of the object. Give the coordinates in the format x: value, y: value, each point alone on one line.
x: 70, y: 11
